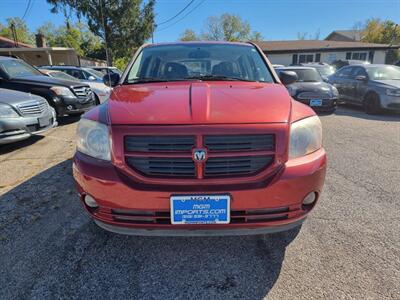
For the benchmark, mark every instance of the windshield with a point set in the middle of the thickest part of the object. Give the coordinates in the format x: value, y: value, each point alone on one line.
x: 326, y: 71
x: 18, y: 68
x: 384, y: 73
x: 199, y: 62
x: 62, y: 75
x: 306, y: 75
x: 95, y: 73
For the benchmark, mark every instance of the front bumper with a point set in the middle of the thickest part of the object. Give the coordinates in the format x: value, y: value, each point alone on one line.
x: 21, y: 128
x: 70, y: 106
x: 129, y: 209
x: 390, y: 102
x: 327, y: 104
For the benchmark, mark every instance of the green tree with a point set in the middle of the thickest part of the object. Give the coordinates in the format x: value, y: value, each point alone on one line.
x: 123, y: 25
x: 23, y: 34
x: 382, y: 32
x: 77, y: 36
x: 189, y: 35
x: 226, y: 27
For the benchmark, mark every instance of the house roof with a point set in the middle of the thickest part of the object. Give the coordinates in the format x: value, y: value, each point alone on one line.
x: 317, y: 45
x: 11, y: 43
x: 349, y: 34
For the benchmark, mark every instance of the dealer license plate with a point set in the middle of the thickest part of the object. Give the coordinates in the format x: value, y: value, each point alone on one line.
x: 315, y: 102
x: 200, y: 209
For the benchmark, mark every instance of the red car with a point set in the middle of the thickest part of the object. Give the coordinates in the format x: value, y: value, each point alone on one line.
x: 199, y: 138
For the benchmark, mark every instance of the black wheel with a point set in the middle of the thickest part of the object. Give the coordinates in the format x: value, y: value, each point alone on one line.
x: 97, y: 101
x: 372, y: 104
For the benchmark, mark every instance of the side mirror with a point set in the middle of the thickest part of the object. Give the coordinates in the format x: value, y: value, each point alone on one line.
x: 91, y: 78
x: 288, y: 77
x: 111, y: 79
x: 361, y: 78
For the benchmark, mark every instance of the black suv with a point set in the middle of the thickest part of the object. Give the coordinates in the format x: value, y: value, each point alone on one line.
x: 67, y: 97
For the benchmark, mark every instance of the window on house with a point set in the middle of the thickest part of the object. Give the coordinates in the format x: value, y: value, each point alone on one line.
x: 318, y: 57
x: 359, y: 55
x: 306, y: 58
x: 294, y: 59
x: 348, y: 55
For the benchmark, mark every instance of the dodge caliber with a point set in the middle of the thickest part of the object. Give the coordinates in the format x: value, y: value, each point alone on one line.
x: 199, y: 138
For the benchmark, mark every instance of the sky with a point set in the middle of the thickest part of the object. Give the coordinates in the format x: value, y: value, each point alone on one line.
x: 276, y: 20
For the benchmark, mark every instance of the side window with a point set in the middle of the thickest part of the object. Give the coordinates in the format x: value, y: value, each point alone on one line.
x: 344, y: 73
x: 358, y: 71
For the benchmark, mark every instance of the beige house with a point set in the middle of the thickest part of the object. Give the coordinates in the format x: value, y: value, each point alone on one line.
x: 303, y: 51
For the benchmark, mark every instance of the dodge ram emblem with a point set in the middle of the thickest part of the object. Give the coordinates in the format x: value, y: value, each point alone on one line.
x: 199, y: 154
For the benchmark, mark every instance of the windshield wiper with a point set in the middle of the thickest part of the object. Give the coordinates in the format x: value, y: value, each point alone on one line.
x: 218, y: 78
x: 152, y: 79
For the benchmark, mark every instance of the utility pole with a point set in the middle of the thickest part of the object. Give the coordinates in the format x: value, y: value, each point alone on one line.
x: 14, y: 33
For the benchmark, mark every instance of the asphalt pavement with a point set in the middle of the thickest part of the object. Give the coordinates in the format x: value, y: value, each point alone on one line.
x: 348, y: 248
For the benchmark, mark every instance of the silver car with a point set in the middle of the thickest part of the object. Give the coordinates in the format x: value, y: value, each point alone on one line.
x: 374, y: 86
x: 22, y: 115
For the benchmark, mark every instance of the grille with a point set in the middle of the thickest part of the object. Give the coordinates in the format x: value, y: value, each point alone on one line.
x: 237, y: 216
x: 231, y: 166
x: 154, y: 166
x: 82, y: 91
x: 33, y: 108
x: 159, y: 143
x: 164, y: 156
x: 313, y: 95
x: 257, y: 142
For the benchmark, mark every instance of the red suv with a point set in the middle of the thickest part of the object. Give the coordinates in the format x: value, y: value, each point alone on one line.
x: 199, y: 138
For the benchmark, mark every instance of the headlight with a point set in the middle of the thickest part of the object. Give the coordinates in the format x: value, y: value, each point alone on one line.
x: 393, y: 92
x: 335, y: 92
x: 62, y: 91
x: 305, y: 137
x: 93, y: 139
x: 7, y: 111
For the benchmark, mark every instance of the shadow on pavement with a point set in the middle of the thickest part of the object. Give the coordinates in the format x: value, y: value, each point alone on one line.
x: 51, y: 249
x: 357, y: 112
x: 68, y: 119
x: 4, y: 149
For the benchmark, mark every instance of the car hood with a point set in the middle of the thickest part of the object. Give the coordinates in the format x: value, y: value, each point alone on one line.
x: 311, y: 86
x: 46, y: 81
x: 199, y: 103
x: 391, y: 83
x: 14, y: 97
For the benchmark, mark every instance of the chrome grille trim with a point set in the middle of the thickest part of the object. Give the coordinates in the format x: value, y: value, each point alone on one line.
x: 32, y: 108
x: 313, y: 95
x: 82, y: 91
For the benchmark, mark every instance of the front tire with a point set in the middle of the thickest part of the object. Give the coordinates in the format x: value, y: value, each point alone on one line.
x: 97, y: 100
x: 372, y: 104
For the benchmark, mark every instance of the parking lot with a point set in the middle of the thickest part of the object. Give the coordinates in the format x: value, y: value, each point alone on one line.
x: 349, y: 247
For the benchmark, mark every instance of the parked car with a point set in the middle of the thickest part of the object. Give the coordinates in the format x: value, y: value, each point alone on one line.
x: 199, y: 138
x: 23, y: 115
x: 84, y: 74
x: 277, y: 66
x: 324, y: 69
x: 100, y: 90
x: 310, y: 89
x: 373, y: 86
x: 66, y: 97
x: 106, y: 70
x: 347, y: 62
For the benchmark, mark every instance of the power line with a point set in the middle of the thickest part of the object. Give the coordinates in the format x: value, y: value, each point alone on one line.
x: 26, y: 9
x: 189, y: 12
x: 181, y: 11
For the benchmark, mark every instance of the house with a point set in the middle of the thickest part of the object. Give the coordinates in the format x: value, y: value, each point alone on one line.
x: 43, y: 55
x: 7, y: 43
x: 302, y: 51
x: 345, y: 36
